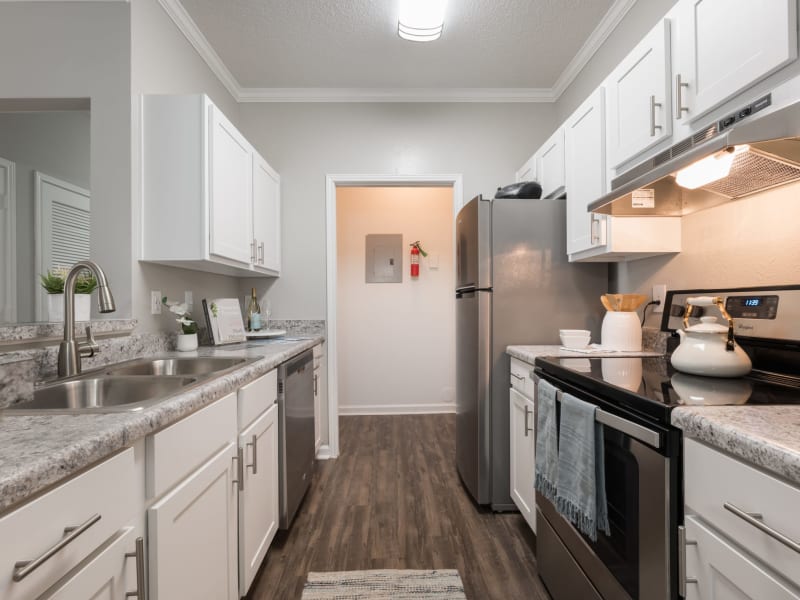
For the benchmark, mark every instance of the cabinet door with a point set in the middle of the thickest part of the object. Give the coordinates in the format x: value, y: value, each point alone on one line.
x: 725, y: 573
x: 108, y: 576
x: 192, y: 534
x: 550, y: 165
x: 522, y: 456
x: 258, y: 500
x: 527, y: 172
x: 724, y: 46
x: 230, y: 190
x: 266, y: 215
x: 585, y: 144
x: 317, y: 410
x: 638, y: 98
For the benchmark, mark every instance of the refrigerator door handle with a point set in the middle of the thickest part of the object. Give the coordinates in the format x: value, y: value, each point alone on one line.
x: 466, y: 289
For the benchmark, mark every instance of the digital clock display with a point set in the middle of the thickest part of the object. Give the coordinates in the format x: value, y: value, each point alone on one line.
x: 752, y: 302
x: 752, y: 307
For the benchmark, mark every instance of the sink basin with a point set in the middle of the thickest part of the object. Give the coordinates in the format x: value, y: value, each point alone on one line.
x: 103, y: 394
x: 201, y: 365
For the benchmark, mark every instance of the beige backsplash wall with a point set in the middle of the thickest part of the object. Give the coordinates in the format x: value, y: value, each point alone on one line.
x: 754, y: 241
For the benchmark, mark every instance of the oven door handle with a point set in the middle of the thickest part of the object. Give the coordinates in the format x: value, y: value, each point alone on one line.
x: 639, y: 432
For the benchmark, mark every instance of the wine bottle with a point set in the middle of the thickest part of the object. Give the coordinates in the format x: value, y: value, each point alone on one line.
x: 253, y: 313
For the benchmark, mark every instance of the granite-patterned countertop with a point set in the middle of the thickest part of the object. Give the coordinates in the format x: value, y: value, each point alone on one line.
x: 766, y: 436
x: 528, y: 354
x: 39, y: 451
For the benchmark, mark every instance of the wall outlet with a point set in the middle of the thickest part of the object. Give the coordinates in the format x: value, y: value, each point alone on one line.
x: 188, y: 299
x: 155, y: 302
x: 659, y: 293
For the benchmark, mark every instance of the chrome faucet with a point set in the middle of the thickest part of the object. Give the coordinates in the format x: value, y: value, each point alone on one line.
x: 70, y: 351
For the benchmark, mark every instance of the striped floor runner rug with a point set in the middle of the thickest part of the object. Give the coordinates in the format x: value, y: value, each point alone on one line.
x: 384, y: 585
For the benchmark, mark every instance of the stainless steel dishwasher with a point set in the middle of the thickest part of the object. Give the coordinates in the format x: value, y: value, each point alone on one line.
x: 295, y: 433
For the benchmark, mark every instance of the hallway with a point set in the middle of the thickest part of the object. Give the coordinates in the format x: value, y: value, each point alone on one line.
x: 393, y: 500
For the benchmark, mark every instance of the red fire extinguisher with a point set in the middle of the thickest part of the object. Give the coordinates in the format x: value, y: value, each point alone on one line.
x: 416, y: 250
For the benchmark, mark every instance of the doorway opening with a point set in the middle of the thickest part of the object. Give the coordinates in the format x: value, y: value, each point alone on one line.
x: 390, y: 346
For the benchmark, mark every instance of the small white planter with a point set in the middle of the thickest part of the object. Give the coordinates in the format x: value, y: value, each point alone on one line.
x: 187, y: 342
x: 55, y: 307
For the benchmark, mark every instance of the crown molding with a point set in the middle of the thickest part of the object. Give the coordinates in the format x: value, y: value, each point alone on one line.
x: 600, y: 34
x: 396, y: 95
x: 192, y: 32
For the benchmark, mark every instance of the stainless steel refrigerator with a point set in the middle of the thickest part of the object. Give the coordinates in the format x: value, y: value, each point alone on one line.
x: 514, y: 285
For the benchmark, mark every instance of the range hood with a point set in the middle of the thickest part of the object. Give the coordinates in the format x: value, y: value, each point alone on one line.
x: 757, y: 152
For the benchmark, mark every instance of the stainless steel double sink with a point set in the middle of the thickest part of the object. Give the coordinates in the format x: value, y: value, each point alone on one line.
x: 128, y: 386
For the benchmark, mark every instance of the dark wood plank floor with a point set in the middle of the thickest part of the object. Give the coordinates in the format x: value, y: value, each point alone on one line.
x: 393, y: 500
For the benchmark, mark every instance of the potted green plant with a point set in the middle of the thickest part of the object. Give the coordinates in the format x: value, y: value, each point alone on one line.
x: 53, y: 284
x: 187, y: 338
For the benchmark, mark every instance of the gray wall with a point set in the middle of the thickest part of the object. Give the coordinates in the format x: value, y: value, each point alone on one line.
x: 304, y: 142
x: 57, y: 144
x: 82, y: 50
x: 164, y: 62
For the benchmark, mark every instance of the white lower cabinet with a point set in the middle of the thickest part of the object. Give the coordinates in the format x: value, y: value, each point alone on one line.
x: 114, y: 573
x: 258, y: 496
x: 319, y: 394
x: 523, y: 449
x: 192, y: 534
x: 717, y: 570
x: 63, y: 528
x: 736, y: 517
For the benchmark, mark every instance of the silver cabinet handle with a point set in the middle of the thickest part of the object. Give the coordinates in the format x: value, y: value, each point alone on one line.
x: 527, y: 428
x: 261, y: 253
x: 682, y: 578
x: 595, y: 232
x: 653, y: 126
x: 23, y: 568
x: 239, y: 459
x: 254, y: 444
x: 316, y: 384
x: 141, y: 585
x: 253, y: 251
x: 679, y: 107
x: 517, y: 377
x: 754, y: 519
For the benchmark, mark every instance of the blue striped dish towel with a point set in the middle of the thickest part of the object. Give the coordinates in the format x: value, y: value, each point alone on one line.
x: 546, y: 462
x: 581, y: 485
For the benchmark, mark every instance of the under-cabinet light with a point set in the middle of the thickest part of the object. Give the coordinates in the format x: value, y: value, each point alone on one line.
x: 708, y: 169
x: 421, y: 20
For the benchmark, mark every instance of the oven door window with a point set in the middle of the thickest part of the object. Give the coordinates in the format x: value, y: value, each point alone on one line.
x: 620, y: 551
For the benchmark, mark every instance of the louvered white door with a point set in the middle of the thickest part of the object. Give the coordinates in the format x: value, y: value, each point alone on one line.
x: 63, y: 224
x: 8, y: 246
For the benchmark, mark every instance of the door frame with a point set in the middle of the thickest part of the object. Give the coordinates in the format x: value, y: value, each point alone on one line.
x: 9, y: 245
x: 454, y: 181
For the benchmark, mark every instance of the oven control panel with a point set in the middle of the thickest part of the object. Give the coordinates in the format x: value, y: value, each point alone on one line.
x: 767, y: 313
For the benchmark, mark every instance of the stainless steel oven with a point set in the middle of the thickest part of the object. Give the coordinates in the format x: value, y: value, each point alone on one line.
x: 641, y: 481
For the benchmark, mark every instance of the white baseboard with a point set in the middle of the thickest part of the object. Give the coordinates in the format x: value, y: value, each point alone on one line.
x: 396, y: 409
x: 324, y: 452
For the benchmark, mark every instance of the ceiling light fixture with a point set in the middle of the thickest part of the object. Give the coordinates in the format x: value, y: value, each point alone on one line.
x: 708, y: 169
x: 421, y: 20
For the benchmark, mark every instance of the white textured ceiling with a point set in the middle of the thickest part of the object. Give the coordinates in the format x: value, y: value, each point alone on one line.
x: 354, y: 43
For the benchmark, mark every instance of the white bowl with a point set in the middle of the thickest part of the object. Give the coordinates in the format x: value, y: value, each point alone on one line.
x: 575, y: 338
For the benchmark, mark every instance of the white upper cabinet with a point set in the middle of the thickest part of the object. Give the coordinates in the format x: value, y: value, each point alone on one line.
x: 724, y: 46
x: 209, y: 201
x: 231, y: 205
x: 585, y: 169
x: 527, y: 172
x: 550, y: 165
x: 266, y: 216
x: 639, y: 102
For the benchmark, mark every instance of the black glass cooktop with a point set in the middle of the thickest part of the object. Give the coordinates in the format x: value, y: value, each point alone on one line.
x: 651, y: 386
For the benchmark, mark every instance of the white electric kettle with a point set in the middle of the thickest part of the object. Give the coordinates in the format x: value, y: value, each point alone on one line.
x: 708, y: 348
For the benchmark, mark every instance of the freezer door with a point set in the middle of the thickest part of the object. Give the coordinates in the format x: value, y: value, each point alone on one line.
x: 474, y: 245
x: 473, y: 425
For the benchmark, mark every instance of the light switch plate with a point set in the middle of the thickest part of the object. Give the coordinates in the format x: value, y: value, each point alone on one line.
x: 188, y: 299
